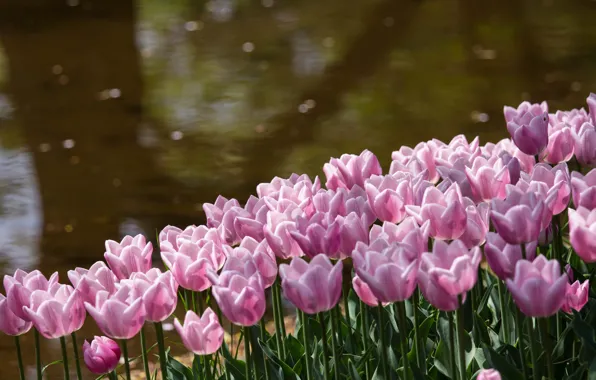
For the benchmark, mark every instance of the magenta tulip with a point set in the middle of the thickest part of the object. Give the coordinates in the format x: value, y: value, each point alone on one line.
x: 119, y: 316
x: 10, y: 324
x: 513, y: 166
x: 582, y: 233
x: 528, y: 127
x: 488, y: 374
x: 350, y: 170
x: 583, y: 189
x: 389, y: 270
x: 89, y: 282
x: 591, y: 100
x: 20, y: 286
x: 159, y: 292
x: 576, y: 296
x: 129, y: 256
x: 503, y: 257
x: 538, y: 288
x: 512, y: 114
x: 240, y: 298
x: 312, y: 287
x: 56, y: 312
x: 102, y: 355
x: 201, y: 335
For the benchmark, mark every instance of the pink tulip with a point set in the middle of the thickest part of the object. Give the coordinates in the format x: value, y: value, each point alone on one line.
x: 456, y: 174
x: 415, y: 161
x: 488, y: 178
x: 190, y: 263
x: 298, y: 183
x: 528, y: 126
x: 10, y: 324
x: 170, y: 234
x: 241, y: 298
x: 561, y: 144
x: 518, y: 218
x: 159, y: 292
x: 278, y: 231
x: 408, y: 233
x: 513, y: 114
x: 350, y: 170
x: 129, y: 256
x: 445, y: 212
x: 538, y: 288
x: 89, y: 282
x: 488, y: 374
x: 363, y: 292
x: 216, y: 211
x: 585, y: 145
x: 477, y: 225
x: 503, y: 257
x: 201, y: 335
x: 20, y: 286
x: 583, y: 189
x: 513, y: 166
x: 251, y: 222
x: 582, y: 233
x: 452, y: 267
x: 263, y: 258
x: 312, y: 287
x: 574, y: 118
x: 56, y: 312
x: 389, y: 270
x: 388, y: 196
x: 102, y: 355
x: 207, y: 239
x: 119, y: 316
x: 592, y: 107
x: 576, y: 296
x: 557, y: 181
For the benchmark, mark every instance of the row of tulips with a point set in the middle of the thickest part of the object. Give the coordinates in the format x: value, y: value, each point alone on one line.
x: 458, y: 263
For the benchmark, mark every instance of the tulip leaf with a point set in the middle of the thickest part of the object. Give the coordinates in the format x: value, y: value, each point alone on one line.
x: 354, y: 375
x: 234, y: 366
x: 179, y: 370
x: 584, y: 331
x: 288, y: 372
x: 485, y: 297
x: 508, y: 370
x: 50, y: 364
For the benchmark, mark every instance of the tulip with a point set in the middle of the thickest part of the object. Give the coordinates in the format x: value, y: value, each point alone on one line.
x: 445, y: 212
x: 583, y: 189
x: 574, y: 118
x: 216, y: 211
x: 592, y: 107
x: 576, y: 296
x: 10, y: 324
x: 298, y: 183
x: 190, y: 263
x: 89, y: 282
x: 408, y: 233
x: 312, y: 287
x: 278, y: 231
x: 129, y: 256
x: 512, y: 114
x: 56, y: 312
x: 241, y: 298
x: 487, y: 179
x: 488, y: 374
x: 561, y: 145
x: 503, y: 257
x: 538, y: 288
x: 529, y: 132
x: 350, y: 170
x: 388, y: 196
x: 451, y: 267
x: 557, y: 181
x: 119, y: 316
x: 251, y: 221
x: 20, y: 287
x: 263, y: 258
x: 582, y: 233
x: 477, y: 225
x: 158, y: 291
x: 585, y: 145
x: 201, y: 335
x: 416, y: 161
x: 363, y: 292
x: 513, y: 166
x: 517, y: 218
x: 389, y: 270
x: 102, y: 355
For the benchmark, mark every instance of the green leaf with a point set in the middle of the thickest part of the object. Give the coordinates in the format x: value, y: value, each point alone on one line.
x: 51, y: 364
x: 234, y: 366
x: 592, y: 370
x: 508, y: 370
x: 288, y: 372
x: 354, y: 375
x: 585, y: 332
x: 179, y: 369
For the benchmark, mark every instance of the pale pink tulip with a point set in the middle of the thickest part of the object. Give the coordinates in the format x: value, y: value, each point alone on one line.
x: 190, y: 263
x: 240, y: 298
x: 129, y: 256
x: 20, y: 286
x: 576, y: 296
x: 350, y: 170
x: 159, y: 292
x: 583, y: 189
x: 388, y: 196
x: 89, y: 282
x: 582, y: 233
x: 503, y: 257
x: 10, y: 324
x: 102, y: 355
x: 488, y: 374
x: 201, y: 335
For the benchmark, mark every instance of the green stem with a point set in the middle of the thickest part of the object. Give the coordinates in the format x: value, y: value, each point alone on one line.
x: 200, y: 371
x: 364, y: 333
x: 280, y: 313
x: 452, y: 345
x: 384, y: 360
x: 334, y: 342
x: 325, y: 348
x: 17, y: 344
x: 247, y: 358
x: 144, y: 353
x: 533, y: 352
x: 76, y: 355
x: 276, y: 321
x: 461, y: 332
x: 401, y: 319
x: 348, y: 316
x: 163, y: 361
x: 504, y: 316
x: 523, y: 250
x: 558, y: 255
x: 193, y: 297
x: 305, y: 341
x: 126, y: 362
x: 112, y: 375
x: 415, y: 301
x: 335, y: 315
x: 64, y: 358
x: 547, y: 347
x: 519, y: 327
x: 38, y: 355
x: 202, y: 306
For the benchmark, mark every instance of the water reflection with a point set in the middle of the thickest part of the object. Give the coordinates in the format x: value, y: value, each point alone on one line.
x: 119, y: 116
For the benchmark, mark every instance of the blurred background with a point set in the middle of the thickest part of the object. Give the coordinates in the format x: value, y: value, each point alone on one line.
x: 122, y: 116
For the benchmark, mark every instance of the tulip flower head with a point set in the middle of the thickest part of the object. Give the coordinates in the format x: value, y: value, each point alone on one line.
x: 101, y: 355
x: 201, y: 335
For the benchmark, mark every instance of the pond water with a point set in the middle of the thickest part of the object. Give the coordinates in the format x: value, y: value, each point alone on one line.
x: 119, y: 117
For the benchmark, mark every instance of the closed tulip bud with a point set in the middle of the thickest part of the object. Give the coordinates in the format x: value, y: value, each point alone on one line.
x: 102, y: 355
x: 538, y: 288
x: 312, y: 287
x: 201, y: 335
